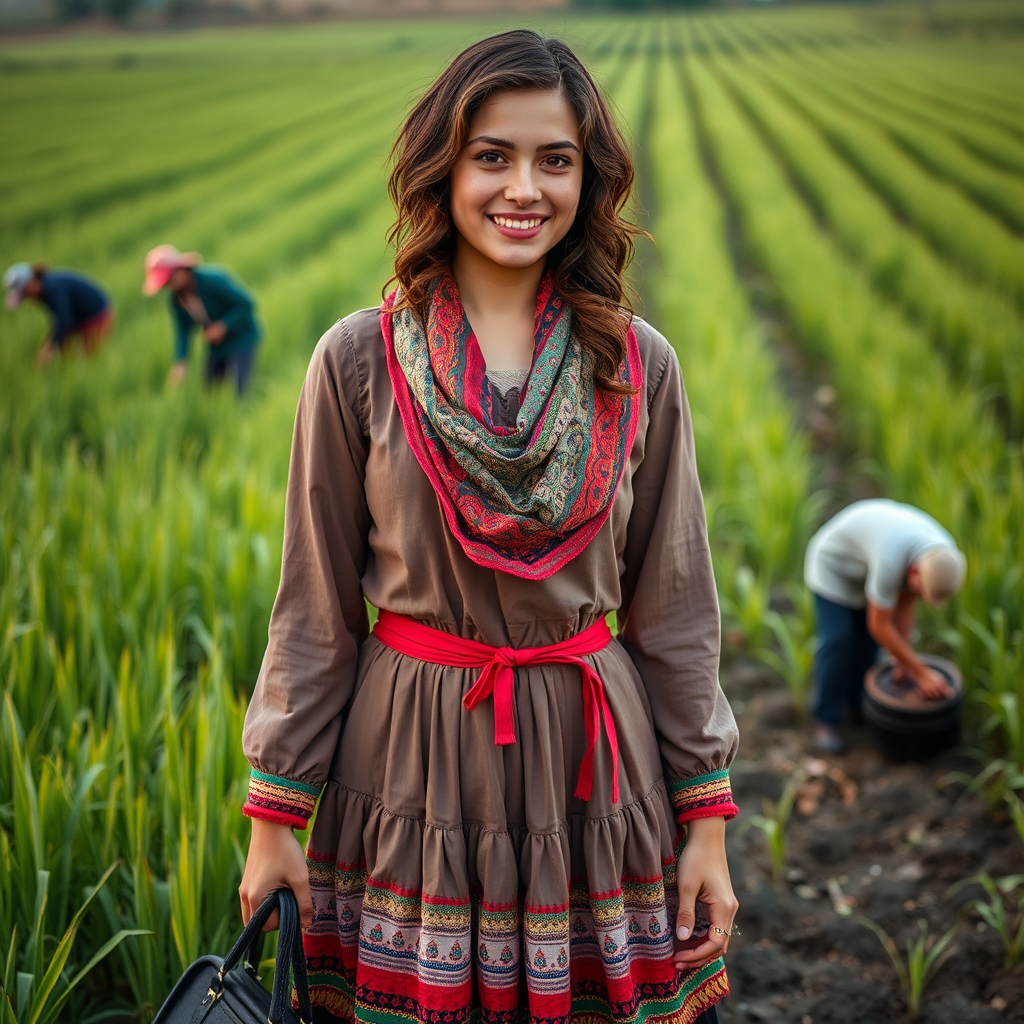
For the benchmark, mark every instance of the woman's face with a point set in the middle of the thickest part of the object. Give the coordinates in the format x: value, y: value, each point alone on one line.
x: 516, y: 185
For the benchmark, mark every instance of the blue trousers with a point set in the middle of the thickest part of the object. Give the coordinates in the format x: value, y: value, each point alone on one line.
x: 237, y: 367
x: 845, y: 652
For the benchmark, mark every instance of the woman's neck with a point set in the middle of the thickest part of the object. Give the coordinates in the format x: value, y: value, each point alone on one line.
x: 500, y: 304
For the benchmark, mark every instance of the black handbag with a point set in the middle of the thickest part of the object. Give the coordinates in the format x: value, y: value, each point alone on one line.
x: 228, y: 991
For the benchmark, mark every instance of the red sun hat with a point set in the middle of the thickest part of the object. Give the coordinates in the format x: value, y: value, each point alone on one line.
x: 161, y: 262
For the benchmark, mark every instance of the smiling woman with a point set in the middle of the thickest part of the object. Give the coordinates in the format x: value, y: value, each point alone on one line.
x: 557, y: 102
x: 498, y: 458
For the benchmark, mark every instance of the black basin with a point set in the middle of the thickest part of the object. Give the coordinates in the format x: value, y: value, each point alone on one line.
x: 907, y: 726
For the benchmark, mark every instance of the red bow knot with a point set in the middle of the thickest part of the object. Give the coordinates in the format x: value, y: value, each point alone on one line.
x: 497, y: 679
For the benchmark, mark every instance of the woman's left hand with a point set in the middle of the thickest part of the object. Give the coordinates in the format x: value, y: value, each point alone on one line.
x: 703, y: 874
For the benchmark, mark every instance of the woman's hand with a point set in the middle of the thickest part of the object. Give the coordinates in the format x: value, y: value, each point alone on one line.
x: 215, y: 332
x: 275, y: 860
x: 703, y: 874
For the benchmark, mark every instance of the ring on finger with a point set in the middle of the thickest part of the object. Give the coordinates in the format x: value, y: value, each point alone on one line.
x: 728, y: 932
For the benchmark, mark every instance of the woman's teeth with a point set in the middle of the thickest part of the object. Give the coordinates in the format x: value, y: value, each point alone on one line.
x: 522, y: 225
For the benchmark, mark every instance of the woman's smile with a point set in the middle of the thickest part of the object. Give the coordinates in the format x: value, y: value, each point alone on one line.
x: 515, y: 225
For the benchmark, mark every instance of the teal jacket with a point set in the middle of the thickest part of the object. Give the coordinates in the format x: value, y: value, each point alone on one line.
x: 225, y: 300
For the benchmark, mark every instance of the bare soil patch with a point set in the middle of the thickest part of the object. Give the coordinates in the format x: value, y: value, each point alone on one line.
x: 867, y: 837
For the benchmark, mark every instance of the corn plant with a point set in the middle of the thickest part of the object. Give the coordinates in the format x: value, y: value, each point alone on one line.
x: 924, y: 956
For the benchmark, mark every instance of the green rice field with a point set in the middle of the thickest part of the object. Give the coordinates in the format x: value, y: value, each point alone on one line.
x: 836, y: 196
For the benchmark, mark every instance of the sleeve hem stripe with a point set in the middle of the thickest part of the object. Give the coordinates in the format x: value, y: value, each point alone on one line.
x: 279, y: 782
x: 251, y: 810
x: 724, y: 810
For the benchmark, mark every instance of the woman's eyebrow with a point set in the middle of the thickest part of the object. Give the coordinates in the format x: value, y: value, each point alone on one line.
x: 505, y: 144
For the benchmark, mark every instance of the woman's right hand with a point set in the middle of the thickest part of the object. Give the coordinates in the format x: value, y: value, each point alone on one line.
x: 275, y: 859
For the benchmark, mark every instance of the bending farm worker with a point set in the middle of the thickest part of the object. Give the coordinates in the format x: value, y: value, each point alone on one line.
x: 211, y: 298
x: 77, y: 305
x: 867, y: 568
x: 521, y: 817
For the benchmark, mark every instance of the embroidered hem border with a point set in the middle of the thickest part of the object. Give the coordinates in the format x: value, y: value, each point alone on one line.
x: 286, y: 801
x: 703, y: 796
x: 681, y: 1002
x: 379, y: 952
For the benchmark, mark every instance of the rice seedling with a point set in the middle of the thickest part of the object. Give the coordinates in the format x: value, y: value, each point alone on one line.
x: 924, y: 956
x: 1007, y: 924
x: 793, y: 655
x: 1016, y: 806
x: 773, y: 824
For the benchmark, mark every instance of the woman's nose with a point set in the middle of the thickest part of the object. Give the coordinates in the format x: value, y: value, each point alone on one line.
x: 522, y: 188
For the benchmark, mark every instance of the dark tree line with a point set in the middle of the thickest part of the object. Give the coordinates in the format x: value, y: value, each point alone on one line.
x: 641, y: 5
x: 71, y: 10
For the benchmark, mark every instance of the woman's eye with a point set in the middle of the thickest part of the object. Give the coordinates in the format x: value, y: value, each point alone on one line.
x: 558, y: 162
x: 490, y: 157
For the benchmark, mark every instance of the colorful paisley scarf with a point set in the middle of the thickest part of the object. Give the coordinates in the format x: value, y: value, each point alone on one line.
x: 525, y: 499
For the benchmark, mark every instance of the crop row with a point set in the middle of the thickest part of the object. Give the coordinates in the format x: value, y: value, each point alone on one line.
x: 982, y: 245
x: 906, y: 93
x: 754, y: 464
x: 935, y: 446
x: 140, y: 530
x: 982, y: 333
x: 999, y: 192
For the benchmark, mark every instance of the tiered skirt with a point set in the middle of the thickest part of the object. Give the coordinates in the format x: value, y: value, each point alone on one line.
x: 454, y: 880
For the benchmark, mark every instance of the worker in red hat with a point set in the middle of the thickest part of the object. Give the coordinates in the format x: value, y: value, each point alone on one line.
x: 222, y: 307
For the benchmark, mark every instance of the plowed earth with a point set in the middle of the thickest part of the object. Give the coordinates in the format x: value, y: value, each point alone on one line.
x: 870, y: 838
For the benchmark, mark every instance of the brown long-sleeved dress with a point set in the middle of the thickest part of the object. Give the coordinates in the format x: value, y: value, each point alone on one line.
x: 451, y: 876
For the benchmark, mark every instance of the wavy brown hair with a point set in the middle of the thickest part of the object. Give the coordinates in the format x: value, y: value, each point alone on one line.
x: 588, y: 263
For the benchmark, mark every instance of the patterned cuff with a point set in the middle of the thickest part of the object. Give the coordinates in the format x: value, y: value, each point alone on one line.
x: 703, y: 796
x: 285, y: 801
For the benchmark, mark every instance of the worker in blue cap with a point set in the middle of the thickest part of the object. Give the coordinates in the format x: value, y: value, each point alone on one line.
x: 77, y: 306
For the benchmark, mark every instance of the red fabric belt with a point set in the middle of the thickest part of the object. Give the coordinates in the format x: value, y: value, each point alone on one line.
x: 407, y: 636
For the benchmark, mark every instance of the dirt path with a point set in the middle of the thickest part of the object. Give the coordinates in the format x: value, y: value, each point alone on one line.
x: 871, y: 838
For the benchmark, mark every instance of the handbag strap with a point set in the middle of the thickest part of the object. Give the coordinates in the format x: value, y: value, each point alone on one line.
x: 290, y: 957
x: 299, y: 971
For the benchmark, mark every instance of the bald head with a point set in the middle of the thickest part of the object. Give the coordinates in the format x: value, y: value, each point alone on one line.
x: 942, y: 571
